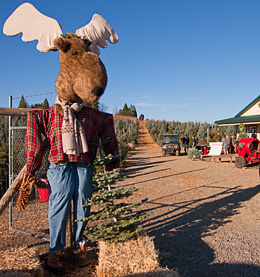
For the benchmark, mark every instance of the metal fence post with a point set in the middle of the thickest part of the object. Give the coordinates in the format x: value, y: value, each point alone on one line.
x: 10, y: 134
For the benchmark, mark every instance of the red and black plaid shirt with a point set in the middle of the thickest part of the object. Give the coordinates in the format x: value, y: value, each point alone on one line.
x: 48, y: 123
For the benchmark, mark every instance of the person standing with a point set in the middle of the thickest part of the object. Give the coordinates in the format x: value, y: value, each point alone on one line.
x: 232, y: 144
x: 225, y: 143
x: 185, y: 141
x: 194, y: 142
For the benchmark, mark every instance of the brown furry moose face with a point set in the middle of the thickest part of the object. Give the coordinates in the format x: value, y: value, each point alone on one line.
x: 82, y: 74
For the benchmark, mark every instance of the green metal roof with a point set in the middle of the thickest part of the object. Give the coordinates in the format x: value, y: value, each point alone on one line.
x: 239, y: 119
x: 249, y: 106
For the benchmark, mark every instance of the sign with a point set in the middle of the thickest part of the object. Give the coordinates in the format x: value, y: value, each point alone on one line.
x: 215, y: 148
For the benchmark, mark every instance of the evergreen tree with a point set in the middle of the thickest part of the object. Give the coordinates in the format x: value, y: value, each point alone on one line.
x: 189, y: 128
x: 132, y: 111
x: 97, y: 106
x: 125, y: 110
x: 202, y: 132
x: 93, y: 105
x: 230, y: 130
x: 23, y: 103
x: 3, y: 129
x: 45, y: 104
x: 36, y: 106
x: 128, y: 111
x: 112, y: 222
x: 4, y: 167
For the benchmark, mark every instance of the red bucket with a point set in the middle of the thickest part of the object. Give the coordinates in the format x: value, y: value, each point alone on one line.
x: 43, y: 195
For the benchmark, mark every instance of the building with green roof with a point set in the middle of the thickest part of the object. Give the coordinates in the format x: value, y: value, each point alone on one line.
x: 249, y: 116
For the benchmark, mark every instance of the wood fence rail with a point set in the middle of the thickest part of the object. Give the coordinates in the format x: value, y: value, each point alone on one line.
x: 15, y: 111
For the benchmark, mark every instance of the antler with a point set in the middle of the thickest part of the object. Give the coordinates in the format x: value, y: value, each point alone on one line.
x: 98, y: 31
x: 45, y: 29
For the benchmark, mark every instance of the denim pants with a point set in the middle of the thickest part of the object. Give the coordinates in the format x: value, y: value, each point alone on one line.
x: 67, y: 181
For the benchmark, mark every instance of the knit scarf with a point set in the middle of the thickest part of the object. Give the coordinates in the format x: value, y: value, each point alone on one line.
x: 73, y: 137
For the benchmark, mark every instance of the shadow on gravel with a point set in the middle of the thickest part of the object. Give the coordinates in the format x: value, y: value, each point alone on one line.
x: 139, y: 164
x: 131, y: 174
x: 166, y: 176
x: 143, y: 161
x: 136, y: 165
x: 179, y: 232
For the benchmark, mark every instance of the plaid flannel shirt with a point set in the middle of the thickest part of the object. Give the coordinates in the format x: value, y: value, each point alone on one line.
x: 48, y: 123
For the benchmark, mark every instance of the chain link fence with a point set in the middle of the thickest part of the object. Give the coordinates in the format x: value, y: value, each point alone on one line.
x: 33, y: 220
x: 3, y: 155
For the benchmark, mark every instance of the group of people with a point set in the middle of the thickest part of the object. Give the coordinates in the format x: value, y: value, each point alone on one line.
x: 186, y: 141
x: 229, y: 144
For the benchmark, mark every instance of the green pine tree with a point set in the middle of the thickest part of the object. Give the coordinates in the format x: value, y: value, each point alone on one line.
x: 125, y: 110
x: 23, y: 103
x: 45, y: 104
x: 93, y: 105
x: 36, y: 106
x: 133, y: 111
x: 112, y: 222
x: 4, y: 167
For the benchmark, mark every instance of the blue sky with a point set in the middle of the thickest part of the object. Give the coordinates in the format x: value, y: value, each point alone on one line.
x: 185, y: 60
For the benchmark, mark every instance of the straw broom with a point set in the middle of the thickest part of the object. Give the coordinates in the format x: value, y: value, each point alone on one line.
x: 12, y: 190
x: 23, y: 183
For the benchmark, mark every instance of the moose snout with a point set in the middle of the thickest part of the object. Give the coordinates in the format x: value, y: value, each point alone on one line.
x: 98, y: 91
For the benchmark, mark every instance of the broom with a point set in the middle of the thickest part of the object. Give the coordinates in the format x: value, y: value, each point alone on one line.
x: 23, y: 183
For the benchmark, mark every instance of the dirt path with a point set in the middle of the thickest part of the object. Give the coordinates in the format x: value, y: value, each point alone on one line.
x: 205, y: 216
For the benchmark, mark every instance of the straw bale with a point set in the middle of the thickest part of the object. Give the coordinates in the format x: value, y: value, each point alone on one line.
x: 133, y: 256
x: 20, y: 262
x: 160, y: 272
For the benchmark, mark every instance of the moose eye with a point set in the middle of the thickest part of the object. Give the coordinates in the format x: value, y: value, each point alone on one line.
x: 73, y: 52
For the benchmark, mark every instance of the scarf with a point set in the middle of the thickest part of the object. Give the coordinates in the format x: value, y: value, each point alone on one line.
x: 73, y: 137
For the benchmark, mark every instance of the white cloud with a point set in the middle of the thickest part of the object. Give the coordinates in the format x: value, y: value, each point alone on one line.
x: 142, y: 104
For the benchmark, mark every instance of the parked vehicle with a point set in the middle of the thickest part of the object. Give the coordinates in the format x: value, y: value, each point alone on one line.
x: 248, y: 152
x: 171, y: 144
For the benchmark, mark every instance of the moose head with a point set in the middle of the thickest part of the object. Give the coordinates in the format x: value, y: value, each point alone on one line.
x: 82, y: 74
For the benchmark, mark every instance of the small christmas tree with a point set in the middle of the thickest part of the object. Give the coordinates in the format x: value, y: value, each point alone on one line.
x: 112, y: 222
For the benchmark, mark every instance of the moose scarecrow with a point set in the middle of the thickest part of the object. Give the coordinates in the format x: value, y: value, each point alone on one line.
x: 72, y: 129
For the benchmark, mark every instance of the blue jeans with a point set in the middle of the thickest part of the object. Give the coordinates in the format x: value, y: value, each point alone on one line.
x: 67, y: 182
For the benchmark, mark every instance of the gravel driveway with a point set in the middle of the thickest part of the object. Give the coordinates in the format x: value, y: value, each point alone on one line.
x: 205, y: 216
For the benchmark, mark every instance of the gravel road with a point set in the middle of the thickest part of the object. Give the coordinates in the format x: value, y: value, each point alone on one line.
x: 205, y: 216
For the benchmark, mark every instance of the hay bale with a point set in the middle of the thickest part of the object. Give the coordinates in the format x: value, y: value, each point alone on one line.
x: 163, y: 272
x: 20, y: 262
x: 133, y: 256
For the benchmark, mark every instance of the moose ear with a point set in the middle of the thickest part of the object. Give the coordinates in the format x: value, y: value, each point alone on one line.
x: 62, y: 44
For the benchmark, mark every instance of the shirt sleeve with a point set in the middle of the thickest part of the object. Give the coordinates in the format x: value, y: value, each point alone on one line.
x: 108, y: 139
x: 33, y: 141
